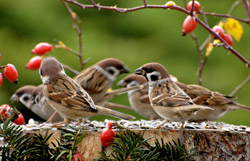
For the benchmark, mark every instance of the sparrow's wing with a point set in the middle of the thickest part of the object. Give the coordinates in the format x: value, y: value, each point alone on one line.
x: 145, y: 99
x: 203, y: 96
x: 167, y: 93
x: 68, y: 93
x: 92, y: 81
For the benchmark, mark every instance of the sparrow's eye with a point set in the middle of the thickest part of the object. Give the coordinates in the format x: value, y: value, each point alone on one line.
x: 154, y: 78
x: 111, y: 71
x: 25, y: 98
x: 37, y: 99
x: 41, y: 73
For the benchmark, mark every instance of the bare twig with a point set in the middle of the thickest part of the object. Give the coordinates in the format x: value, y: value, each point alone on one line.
x: 246, y: 5
x: 200, y: 69
x: 204, y: 16
x: 70, y: 69
x: 199, y: 54
x: 70, y: 50
x: 240, y: 86
x: 236, y: 3
x: 2, y: 67
x: 77, y: 27
x: 192, y: 8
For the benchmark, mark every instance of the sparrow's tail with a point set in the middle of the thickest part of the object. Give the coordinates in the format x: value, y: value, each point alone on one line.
x: 238, y: 106
x: 106, y: 111
x: 114, y: 106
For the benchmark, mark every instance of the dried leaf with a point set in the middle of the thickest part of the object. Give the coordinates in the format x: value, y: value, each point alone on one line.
x: 209, y: 49
x: 233, y: 28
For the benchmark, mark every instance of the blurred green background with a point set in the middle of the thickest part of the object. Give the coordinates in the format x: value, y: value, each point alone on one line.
x: 135, y: 38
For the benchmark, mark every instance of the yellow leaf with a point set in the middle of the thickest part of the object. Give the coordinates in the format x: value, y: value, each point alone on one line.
x: 61, y: 44
x: 221, y: 24
x: 170, y: 3
x: 109, y: 90
x: 216, y: 41
x: 209, y: 49
x: 233, y: 28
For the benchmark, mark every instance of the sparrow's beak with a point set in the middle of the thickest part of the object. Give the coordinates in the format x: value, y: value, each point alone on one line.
x: 125, y: 70
x: 122, y: 83
x: 140, y: 71
x: 14, y: 98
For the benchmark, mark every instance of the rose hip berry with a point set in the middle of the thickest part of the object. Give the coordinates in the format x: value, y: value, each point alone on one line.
x: 34, y: 63
x: 196, y: 5
x: 10, y: 73
x: 42, y: 48
x: 189, y: 25
x: 1, y: 78
x: 228, y: 39
x: 219, y: 30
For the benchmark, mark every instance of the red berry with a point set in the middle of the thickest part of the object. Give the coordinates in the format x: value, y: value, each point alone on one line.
x: 1, y: 78
x: 107, y: 135
x: 77, y: 157
x: 110, y: 124
x: 42, y: 48
x: 189, y: 24
x: 219, y: 30
x: 196, y: 5
x: 10, y: 73
x: 20, y: 120
x: 34, y: 63
x: 228, y: 39
x: 4, y: 109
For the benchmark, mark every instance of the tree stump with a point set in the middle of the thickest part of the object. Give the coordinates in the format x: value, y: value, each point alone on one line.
x: 211, y: 140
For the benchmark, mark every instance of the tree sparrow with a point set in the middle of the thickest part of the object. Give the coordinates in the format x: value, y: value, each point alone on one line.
x: 31, y: 97
x: 167, y: 99
x: 138, y: 98
x: 45, y: 110
x: 98, y: 78
x: 203, y: 96
x: 24, y: 95
x: 67, y: 97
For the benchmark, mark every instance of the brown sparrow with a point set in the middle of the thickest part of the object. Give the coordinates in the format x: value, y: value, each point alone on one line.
x: 24, y: 95
x: 167, y: 99
x: 30, y: 96
x: 98, y: 78
x: 45, y: 110
x: 67, y: 97
x: 203, y: 96
x: 138, y: 98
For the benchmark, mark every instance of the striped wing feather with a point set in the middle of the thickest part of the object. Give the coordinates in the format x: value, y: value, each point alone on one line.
x: 68, y: 93
x: 167, y: 93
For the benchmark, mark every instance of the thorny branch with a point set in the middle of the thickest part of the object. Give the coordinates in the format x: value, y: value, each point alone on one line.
x: 77, y: 27
x: 175, y: 7
x: 178, y: 8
